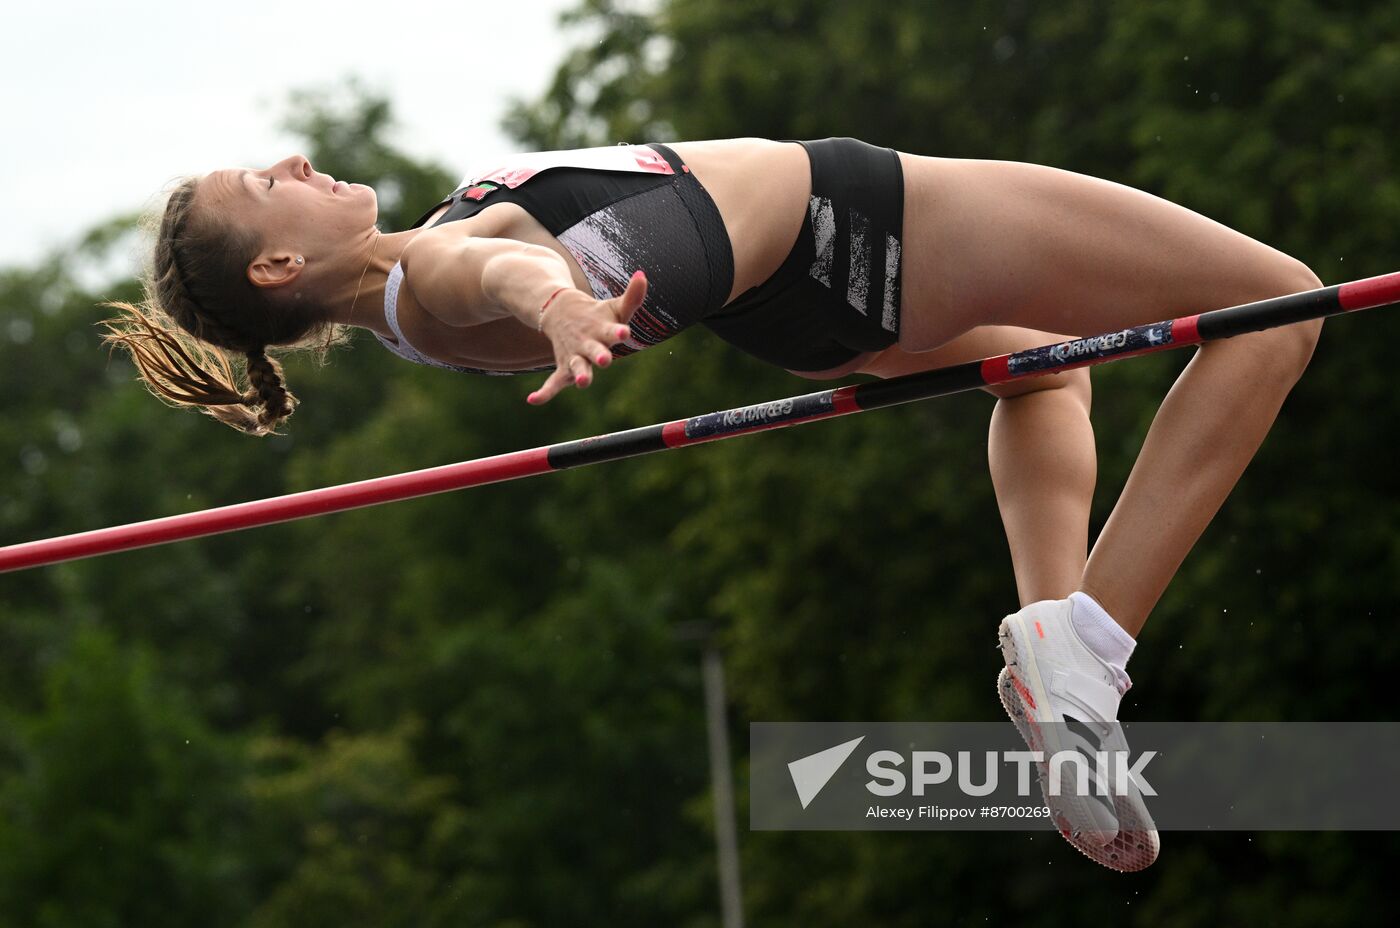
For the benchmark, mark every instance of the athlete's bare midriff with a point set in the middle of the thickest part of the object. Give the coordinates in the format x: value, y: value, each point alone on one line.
x: 760, y: 188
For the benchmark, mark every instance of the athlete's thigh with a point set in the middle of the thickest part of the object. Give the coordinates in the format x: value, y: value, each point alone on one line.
x: 1009, y: 243
x: 986, y: 341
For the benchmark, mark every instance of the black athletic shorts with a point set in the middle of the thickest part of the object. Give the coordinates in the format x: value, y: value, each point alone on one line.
x: 836, y: 294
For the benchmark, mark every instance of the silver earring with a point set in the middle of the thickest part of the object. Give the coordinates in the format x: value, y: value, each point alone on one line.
x: 298, y: 259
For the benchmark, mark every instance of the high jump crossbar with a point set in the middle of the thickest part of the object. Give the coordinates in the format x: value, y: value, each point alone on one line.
x: 1034, y: 362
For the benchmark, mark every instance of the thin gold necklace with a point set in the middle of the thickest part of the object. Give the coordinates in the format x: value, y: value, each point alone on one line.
x: 362, y: 278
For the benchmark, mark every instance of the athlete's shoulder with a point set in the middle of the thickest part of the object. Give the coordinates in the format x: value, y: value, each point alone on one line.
x: 438, y: 281
x: 489, y: 223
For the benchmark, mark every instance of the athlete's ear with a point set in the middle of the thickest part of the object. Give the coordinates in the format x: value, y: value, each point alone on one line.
x: 275, y: 269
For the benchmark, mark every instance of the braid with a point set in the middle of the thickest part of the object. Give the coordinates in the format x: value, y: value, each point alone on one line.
x: 201, y: 313
x: 271, y: 393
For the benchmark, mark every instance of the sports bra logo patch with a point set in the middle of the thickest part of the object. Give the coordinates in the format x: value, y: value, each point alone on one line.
x: 478, y: 192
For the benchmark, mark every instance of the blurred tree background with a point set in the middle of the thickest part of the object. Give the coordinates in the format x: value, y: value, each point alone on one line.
x: 475, y: 709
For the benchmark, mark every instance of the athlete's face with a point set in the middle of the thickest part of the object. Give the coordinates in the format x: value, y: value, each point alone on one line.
x: 298, y: 211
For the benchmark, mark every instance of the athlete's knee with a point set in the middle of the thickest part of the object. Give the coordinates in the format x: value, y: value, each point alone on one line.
x: 1076, y: 383
x: 1304, y: 342
x: 1284, y: 352
x: 1291, y: 347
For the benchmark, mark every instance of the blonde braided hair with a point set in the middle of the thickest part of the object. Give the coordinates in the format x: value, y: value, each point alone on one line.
x: 200, y: 312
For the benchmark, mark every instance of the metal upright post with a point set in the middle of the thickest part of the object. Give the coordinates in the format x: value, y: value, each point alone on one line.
x: 726, y: 835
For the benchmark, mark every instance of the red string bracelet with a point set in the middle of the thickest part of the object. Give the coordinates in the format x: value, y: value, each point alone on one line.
x: 539, y: 325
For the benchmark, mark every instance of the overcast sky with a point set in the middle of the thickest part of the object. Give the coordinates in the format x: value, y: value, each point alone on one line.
x: 107, y: 102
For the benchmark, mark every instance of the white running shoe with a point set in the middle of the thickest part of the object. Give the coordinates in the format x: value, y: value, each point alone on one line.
x: 1063, y: 697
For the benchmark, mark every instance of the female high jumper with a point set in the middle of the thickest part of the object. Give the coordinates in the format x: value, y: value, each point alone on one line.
x: 826, y: 258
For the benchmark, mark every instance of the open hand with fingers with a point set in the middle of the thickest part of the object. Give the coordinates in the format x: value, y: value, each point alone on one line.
x: 582, y: 329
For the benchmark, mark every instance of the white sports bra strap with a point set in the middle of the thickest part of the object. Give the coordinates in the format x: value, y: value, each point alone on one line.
x: 391, y: 315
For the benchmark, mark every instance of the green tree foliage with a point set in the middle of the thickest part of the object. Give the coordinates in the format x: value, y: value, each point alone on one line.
x: 475, y: 709
x: 120, y: 804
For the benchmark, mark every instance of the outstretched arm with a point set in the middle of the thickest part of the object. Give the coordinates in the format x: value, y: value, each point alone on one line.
x: 465, y: 280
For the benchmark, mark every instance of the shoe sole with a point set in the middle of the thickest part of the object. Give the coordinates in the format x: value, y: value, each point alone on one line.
x: 1137, y: 844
